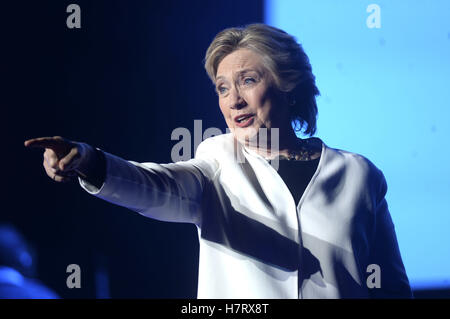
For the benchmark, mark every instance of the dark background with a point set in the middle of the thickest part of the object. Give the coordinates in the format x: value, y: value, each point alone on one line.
x: 123, y: 82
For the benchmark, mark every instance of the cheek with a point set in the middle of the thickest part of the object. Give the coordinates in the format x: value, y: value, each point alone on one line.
x: 263, y: 102
x: 226, y: 113
x: 223, y: 109
x: 270, y: 97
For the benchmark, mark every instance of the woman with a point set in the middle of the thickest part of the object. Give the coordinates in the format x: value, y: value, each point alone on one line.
x: 318, y: 226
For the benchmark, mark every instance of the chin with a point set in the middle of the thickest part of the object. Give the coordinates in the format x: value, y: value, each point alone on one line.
x: 246, y: 134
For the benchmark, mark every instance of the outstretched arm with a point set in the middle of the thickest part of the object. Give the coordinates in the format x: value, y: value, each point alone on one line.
x: 168, y: 192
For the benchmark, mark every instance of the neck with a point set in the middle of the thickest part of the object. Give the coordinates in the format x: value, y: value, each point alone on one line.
x: 276, y: 144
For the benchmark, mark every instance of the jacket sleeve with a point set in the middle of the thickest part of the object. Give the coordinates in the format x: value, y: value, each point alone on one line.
x: 167, y: 192
x: 385, y: 252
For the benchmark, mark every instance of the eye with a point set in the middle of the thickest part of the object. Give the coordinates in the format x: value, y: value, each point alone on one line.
x: 249, y: 80
x: 221, y: 90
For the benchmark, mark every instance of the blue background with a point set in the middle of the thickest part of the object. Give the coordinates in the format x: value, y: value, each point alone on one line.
x: 385, y: 94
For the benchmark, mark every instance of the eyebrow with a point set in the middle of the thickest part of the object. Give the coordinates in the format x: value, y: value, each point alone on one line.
x: 240, y: 73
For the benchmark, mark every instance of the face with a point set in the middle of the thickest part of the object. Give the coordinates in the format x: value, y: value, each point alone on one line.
x: 247, y: 96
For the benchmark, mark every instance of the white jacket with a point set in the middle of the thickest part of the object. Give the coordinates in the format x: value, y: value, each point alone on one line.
x: 255, y: 242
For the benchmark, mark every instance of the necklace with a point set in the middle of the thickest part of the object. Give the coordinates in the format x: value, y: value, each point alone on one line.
x: 304, y: 152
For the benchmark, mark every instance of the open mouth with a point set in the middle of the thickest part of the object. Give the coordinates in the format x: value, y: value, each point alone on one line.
x: 244, y: 120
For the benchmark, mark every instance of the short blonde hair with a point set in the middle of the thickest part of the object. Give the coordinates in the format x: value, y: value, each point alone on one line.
x: 285, y: 60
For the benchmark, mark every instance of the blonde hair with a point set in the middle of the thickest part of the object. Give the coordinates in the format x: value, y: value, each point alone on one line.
x: 285, y: 60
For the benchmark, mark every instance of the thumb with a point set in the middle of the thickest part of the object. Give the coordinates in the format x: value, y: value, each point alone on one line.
x: 69, y: 161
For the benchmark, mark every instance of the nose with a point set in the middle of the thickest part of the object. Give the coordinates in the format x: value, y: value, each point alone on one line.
x: 237, y: 101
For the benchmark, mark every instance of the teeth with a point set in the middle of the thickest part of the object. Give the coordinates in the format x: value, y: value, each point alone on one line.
x: 243, y: 118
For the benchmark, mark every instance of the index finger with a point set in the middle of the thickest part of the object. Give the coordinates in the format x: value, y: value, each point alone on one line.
x: 43, y: 142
